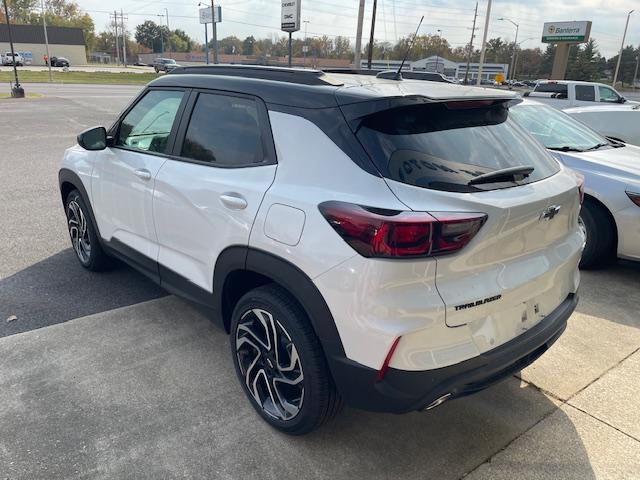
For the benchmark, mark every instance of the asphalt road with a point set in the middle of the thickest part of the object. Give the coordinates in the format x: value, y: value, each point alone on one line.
x: 41, y: 282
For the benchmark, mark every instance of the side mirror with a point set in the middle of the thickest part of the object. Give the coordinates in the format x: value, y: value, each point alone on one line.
x: 93, y: 139
x: 622, y: 99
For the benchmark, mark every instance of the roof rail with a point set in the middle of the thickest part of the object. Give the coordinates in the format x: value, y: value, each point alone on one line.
x: 388, y: 74
x: 280, y: 74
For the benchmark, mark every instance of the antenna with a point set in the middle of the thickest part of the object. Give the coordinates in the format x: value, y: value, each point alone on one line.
x: 410, y: 47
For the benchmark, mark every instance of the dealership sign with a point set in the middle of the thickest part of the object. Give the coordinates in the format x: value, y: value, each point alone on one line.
x: 573, y: 32
x: 290, y: 21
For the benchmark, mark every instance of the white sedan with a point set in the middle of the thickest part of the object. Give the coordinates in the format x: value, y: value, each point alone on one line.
x: 610, y: 213
x: 620, y: 122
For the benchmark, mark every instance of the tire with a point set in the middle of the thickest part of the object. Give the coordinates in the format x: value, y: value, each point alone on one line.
x: 303, y: 394
x: 83, y: 234
x: 599, y: 230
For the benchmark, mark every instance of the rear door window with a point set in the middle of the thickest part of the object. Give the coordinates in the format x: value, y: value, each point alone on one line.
x: 443, y: 146
x: 224, y: 130
x: 586, y: 93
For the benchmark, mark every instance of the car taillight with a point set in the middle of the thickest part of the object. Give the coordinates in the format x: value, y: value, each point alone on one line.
x: 391, y: 234
x: 634, y: 197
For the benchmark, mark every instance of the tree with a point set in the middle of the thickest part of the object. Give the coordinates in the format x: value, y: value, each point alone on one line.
x: 183, y: 42
x: 248, y: 45
x: 231, y: 45
x: 151, y: 35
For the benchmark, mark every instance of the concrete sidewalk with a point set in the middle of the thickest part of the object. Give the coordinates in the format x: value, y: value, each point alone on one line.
x: 149, y: 391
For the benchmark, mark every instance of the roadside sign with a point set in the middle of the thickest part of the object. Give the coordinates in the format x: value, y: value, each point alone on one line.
x: 559, y: 32
x: 499, y: 78
x: 290, y: 20
x: 205, y: 14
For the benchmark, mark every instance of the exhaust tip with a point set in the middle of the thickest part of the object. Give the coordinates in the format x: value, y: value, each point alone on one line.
x: 438, y: 401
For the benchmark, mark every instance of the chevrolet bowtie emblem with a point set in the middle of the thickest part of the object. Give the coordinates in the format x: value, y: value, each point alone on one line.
x: 550, y: 212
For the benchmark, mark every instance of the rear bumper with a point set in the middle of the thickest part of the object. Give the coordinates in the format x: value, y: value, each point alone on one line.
x: 404, y: 391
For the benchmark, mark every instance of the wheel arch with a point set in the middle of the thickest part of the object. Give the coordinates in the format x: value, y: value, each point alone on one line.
x: 68, y: 181
x: 596, y: 201
x: 240, y: 269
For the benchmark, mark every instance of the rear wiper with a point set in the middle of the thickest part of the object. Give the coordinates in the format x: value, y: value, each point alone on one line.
x: 513, y: 174
x: 566, y: 149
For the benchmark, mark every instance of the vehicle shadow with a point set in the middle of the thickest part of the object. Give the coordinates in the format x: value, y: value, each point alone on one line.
x: 612, y: 292
x: 58, y: 289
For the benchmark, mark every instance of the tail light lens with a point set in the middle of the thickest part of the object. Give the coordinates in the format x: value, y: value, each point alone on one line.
x: 634, y: 197
x: 392, y: 234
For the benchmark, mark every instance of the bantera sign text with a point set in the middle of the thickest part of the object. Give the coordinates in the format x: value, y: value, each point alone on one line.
x: 571, y: 32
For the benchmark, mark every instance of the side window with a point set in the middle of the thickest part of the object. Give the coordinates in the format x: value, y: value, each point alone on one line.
x: 608, y: 95
x: 148, y: 124
x: 586, y: 93
x: 224, y: 130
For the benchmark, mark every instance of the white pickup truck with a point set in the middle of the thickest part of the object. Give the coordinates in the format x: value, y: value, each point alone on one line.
x: 8, y: 59
x: 562, y: 94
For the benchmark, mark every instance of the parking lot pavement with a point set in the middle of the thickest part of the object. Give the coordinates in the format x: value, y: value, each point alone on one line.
x: 149, y: 391
x: 40, y: 281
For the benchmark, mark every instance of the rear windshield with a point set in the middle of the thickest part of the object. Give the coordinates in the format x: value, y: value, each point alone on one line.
x: 551, y: 88
x: 443, y: 146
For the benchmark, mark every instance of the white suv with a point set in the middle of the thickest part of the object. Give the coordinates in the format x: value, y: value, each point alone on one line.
x: 388, y: 243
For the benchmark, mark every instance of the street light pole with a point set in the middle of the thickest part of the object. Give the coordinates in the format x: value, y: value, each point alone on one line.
x: 373, y: 28
x: 17, y: 91
x: 46, y: 39
x: 473, y: 34
x: 358, y: 52
x: 635, y: 75
x: 483, y: 50
x: 438, y: 51
x: 515, y: 47
x: 624, y: 35
x: 305, y: 47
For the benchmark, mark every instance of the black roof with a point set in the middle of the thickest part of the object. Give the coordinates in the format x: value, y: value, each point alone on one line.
x: 316, y: 89
x: 35, y: 34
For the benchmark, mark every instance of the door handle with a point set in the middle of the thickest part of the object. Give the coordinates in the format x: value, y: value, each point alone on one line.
x: 233, y: 200
x: 143, y: 174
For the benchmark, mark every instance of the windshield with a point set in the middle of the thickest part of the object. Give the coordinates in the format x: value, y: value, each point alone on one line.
x: 443, y: 146
x: 556, y: 130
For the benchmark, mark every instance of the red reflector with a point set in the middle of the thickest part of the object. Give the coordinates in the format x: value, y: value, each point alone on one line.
x: 387, y: 359
x: 391, y: 233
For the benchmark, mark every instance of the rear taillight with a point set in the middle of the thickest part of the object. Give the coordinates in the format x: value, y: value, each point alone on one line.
x: 634, y: 197
x: 391, y: 233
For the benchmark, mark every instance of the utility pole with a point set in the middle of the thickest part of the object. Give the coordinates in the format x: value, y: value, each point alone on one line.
x: 624, y: 35
x: 484, y: 42
x: 356, y: 60
x: 206, y: 45
x: 124, y: 40
x: 16, y: 91
x: 635, y: 75
x: 214, y: 33
x: 305, y: 47
x: 46, y: 38
x: 473, y: 34
x: 438, y: 52
x: 166, y: 10
x: 373, y: 27
x: 115, y: 24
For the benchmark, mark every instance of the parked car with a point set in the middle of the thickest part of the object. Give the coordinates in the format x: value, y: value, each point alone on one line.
x: 59, y: 62
x: 619, y: 122
x: 307, y: 213
x: 164, y: 64
x: 610, y: 214
x: 568, y: 93
x: 9, y: 59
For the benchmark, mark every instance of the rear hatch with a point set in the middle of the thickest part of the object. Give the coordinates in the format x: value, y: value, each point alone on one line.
x: 522, y: 262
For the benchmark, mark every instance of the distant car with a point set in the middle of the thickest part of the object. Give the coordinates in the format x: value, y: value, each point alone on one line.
x: 59, y: 62
x: 620, y: 122
x: 610, y: 214
x: 564, y: 94
x: 8, y: 59
x: 164, y: 64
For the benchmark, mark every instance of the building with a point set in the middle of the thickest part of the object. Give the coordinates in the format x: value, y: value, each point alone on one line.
x: 458, y: 69
x: 442, y: 65
x: 28, y: 40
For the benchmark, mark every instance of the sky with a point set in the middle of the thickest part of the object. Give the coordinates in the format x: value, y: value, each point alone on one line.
x: 394, y: 18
